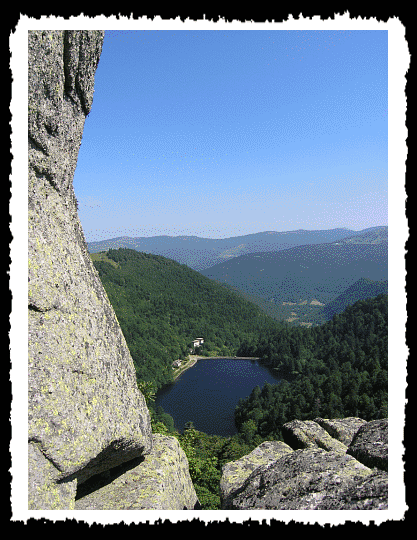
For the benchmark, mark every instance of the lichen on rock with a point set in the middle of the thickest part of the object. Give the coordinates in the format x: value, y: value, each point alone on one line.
x: 341, y: 429
x: 299, y: 481
x: 309, y: 434
x: 236, y: 472
x: 88, y: 421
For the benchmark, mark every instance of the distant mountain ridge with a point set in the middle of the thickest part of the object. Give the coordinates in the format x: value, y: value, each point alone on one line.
x: 373, y: 235
x: 202, y: 253
x: 318, y: 271
x: 290, y: 275
x: 303, y: 274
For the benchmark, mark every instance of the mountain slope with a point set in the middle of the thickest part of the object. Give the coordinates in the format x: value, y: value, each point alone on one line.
x: 360, y: 290
x: 162, y: 306
x: 302, y: 274
x: 201, y: 253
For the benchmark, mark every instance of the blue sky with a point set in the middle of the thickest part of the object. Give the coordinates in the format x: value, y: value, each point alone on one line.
x: 220, y: 133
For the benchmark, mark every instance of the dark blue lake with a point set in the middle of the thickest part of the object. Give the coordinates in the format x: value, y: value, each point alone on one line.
x: 208, y: 393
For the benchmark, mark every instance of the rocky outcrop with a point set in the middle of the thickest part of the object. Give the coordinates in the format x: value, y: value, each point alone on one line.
x: 321, y: 465
x: 235, y: 473
x: 86, y: 414
x: 309, y: 434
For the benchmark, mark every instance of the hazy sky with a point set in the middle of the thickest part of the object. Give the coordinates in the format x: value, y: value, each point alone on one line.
x: 220, y: 133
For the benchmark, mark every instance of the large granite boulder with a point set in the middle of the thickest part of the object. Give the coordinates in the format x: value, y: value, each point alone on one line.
x: 86, y: 414
x: 311, y: 470
x: 310, y: 479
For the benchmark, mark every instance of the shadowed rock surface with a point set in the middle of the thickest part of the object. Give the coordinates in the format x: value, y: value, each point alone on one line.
x: 370, y: 444
x: 317, y: 473
x: 158, y: 481
x: 309, y: 434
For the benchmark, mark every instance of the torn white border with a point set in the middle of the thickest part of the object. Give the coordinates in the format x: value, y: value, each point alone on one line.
x: 399, y: 60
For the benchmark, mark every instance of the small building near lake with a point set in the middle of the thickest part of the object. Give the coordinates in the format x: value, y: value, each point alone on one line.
x: 197, y: 342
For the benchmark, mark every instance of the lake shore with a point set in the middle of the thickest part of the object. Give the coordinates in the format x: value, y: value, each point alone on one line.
x: 194, y: 358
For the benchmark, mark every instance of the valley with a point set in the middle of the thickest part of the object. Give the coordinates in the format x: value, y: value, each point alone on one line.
x: 314, y: 315
x: 305, y: 277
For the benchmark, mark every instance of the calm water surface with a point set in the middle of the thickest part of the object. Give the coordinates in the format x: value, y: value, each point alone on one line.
x: 208, y: 393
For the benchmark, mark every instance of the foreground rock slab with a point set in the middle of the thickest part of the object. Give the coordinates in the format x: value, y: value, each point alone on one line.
x: 311, y: 479
x: 236, y: 472
x: 158, y: 481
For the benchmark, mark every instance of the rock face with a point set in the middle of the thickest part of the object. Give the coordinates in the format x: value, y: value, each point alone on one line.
x: 370, y: 444
x: 86, y: 414
x: 342, y: 429
x: 313, y: 470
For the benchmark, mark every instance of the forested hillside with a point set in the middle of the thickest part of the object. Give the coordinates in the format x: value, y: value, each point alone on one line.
x: 336, y: 370
x: 162, y: 306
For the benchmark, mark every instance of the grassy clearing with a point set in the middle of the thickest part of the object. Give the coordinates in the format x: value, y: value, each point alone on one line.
x: 102, y: 256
